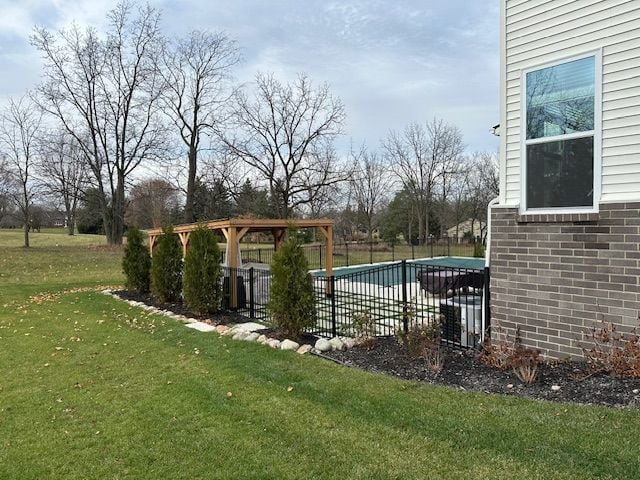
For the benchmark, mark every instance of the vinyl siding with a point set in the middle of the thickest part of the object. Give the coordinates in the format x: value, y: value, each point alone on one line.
x: 537, y: 32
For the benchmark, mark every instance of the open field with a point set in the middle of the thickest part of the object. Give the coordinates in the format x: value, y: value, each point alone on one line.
x: 92, y: 388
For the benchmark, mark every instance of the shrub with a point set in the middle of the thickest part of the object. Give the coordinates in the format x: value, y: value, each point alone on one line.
x: 136, y: 263
x: 202, y: 289
x: 522, y: 360
x: 292, y: 303
x: 364, y: 328
x: 424, y: 341
x: 166, y: 267
x: 613, y: 352
x: 478, y: 250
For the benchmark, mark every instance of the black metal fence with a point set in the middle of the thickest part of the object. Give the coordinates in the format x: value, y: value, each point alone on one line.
x: 357, y: 253
x: 393, y: 297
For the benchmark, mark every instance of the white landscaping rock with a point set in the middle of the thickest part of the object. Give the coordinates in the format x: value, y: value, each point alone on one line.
x: 304, y: 349
x: 201, y: 327
x: 635, y: 391
x: 323, y: 345
x: 289, y: 345
x: 221, y: 329
x: 262, y: 339
x: 336, y: 344
x: 249, y: 326
x: 555, y: 388
x: 252, y: 337
x: 240, y: 335
x: 273, y: 343
x: 348, y: 342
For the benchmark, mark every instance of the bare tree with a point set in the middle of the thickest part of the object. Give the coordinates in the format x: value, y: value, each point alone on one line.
x: 370, y: 184
x: 63, y: 170
x: 422, y: 156
x: 6, y: 187
x: 484, y: 185
x: 196, y: 70
x: 19, y: 133
x: 106, y: 94
x: 152, y: 203
x: 285, y: 132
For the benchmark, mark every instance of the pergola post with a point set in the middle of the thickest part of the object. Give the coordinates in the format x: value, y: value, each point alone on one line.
x: 232, y: 263
x: 327, y: 231
x: 152, y: 243
x: 184, y: 239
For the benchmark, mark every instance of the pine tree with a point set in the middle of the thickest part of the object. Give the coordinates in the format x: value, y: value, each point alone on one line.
x: 292, y: 301
x: 202, y: 272
x: 136, y: 263
x: 166, y: 267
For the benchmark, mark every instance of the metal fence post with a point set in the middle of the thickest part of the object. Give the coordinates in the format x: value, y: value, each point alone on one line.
x: 259, y: 255
x: 431, y: 245
x: 413, y: 254
x: 487, y: 303
x: 346, y: 247
x: 252, y: 303
x: 320, y: 253
x: 371, y: 252
x: 393, y: 252
x: 448, y: 247
x: 334, y: 330
x: 405, y: 317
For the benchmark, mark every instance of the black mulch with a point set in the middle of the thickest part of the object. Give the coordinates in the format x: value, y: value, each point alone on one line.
x: 220, y: 318
x: 463, y: 370
x: 304, y: 338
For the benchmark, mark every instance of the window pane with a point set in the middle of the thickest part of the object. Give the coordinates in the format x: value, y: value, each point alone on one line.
x: 560, y: 174
x: 560, y: 99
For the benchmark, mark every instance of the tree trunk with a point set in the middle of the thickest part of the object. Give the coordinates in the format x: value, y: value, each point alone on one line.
x: 26, y: 234
x: 189, y: 215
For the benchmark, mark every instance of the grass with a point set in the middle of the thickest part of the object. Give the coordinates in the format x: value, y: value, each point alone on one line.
x: 92, y: 388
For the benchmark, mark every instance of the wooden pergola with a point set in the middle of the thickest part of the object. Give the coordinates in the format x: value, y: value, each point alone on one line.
x: 234, y: 229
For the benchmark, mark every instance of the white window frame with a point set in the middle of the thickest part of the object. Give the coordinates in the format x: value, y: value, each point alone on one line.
x: 596, y: 133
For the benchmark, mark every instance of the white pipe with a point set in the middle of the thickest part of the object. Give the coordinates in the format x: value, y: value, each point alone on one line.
x: 487, y: 262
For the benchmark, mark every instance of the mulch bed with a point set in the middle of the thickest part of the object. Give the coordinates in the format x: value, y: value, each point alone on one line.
x: 220, y: 318
x: 305, y: 338
x: 463, y: 370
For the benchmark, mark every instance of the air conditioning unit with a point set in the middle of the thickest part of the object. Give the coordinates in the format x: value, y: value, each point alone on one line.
x: 462, y: 320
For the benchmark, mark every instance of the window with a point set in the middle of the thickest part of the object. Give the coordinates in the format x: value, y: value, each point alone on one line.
x: 560, y: 136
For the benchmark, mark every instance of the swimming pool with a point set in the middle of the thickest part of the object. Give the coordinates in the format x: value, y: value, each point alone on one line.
x: 391, y: 273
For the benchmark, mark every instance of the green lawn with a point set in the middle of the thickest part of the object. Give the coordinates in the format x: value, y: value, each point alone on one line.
x: 91, y: 388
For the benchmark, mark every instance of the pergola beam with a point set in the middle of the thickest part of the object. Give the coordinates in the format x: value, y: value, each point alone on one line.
x: 234, y: 229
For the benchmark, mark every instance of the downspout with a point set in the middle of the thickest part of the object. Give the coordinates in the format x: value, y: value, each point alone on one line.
x: 487, y: 262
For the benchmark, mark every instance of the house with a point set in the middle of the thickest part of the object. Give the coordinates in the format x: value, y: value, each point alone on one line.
x: 565, y: 232
x: 469, y: 229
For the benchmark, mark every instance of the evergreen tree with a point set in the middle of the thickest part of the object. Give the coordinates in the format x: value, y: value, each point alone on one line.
x: 202, y: 272
x: 166, y: 267
x: 136, y: 262
x: 292, y: 303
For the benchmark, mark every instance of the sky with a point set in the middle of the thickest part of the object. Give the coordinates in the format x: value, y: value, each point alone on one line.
x: 391, y: 62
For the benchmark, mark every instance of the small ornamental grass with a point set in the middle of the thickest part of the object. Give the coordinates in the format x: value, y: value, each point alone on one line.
x: 136, y: 263
x: 166, y: 267
x: 292, y: 303
x: 202, y: 272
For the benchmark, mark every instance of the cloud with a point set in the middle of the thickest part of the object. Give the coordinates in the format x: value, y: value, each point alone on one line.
x: 391, y: 62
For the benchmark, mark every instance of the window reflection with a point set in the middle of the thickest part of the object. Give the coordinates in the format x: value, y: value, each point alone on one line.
x: 560, y: 99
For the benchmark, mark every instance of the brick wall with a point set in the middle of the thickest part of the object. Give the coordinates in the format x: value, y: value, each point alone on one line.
x: 556, y: 276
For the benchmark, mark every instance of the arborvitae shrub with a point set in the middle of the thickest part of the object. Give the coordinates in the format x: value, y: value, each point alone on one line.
x: 291, y: 304
x: 478, y: 250
x: 202, y: 272
x: 166, y: 267
x: 136, y: 263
